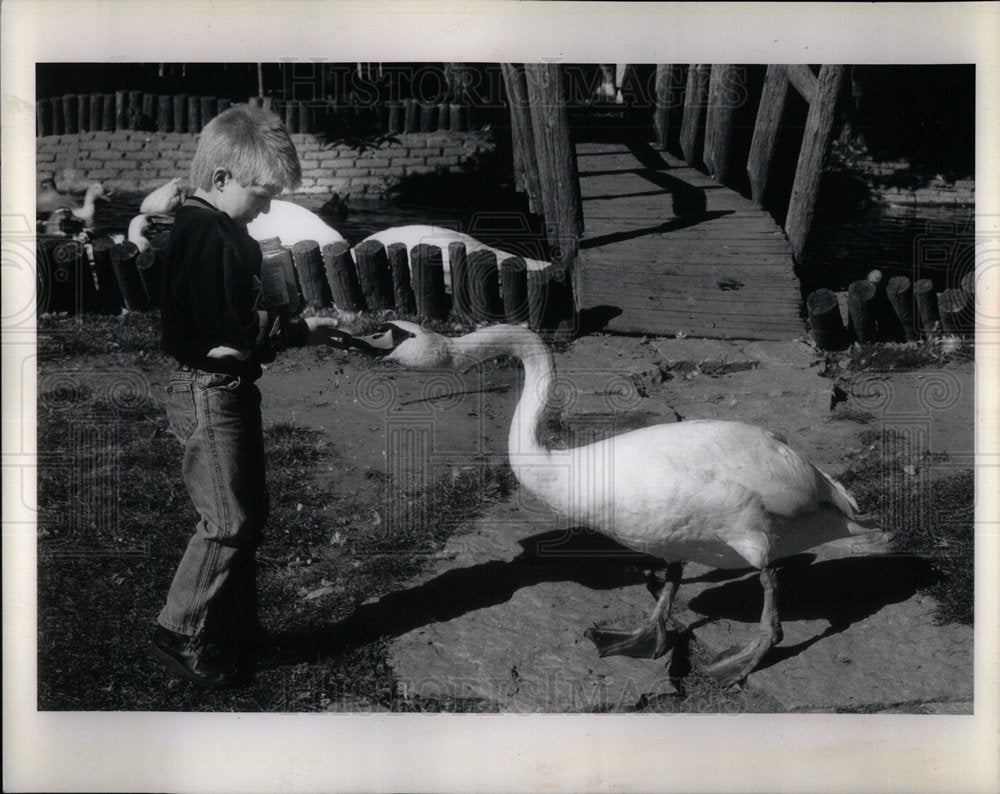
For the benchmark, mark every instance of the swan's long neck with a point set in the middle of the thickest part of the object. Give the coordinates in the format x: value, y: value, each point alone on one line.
x: 515, y: 341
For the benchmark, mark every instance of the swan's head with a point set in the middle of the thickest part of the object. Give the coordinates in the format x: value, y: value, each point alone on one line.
x: 410, y: 345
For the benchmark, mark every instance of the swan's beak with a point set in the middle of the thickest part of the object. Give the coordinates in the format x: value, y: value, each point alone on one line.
x: 381, y: 343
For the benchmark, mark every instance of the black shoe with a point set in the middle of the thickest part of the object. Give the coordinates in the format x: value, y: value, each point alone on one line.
x: 194, y: 659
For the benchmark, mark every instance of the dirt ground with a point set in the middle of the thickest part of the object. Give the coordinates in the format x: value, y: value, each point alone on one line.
x: 498, y: 617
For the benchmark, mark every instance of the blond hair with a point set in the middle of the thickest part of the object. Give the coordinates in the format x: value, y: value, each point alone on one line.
x: 252, y: 144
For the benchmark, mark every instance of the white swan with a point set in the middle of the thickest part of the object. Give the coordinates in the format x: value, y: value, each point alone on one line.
x: 291, y: 224
x: 720, y: 493
x: 442, y: 237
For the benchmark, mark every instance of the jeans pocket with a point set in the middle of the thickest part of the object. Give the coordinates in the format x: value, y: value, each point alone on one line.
x: 219, y: 381
x: 180, y: 409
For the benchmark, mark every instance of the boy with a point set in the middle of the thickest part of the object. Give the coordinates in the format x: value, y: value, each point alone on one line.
x: 215, y: 326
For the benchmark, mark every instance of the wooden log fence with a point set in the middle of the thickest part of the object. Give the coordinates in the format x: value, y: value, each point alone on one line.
x: 70, y: 114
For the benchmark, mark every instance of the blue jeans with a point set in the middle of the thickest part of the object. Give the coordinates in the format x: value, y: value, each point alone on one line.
x: 217, y: 419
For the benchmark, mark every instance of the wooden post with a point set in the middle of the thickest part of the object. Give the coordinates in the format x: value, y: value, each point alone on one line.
x: 165, y: 113
x: 96, y: 111
x: 108, y: 115
x: 291, y: 116
x: 148, y: 266
x: 825, y: 323
x: 484, y: 287
x: 109, y: 293
x: 443, y: 116
x: 899, y: 292
x: 765, y: 132
x: 923, y: 294
x: 180, y: 113
x: 71, y: 287
x: 514, y: 286
x: 458, y: 117
x: 395, y: 123
x: 343, y: 277
x: 194, y: 114
x: 723, y: 101
x: 277, y: 275
x: 695, y: 111
x: 58, y: 127
x: 522, y: 138
x: 121, y: 110
x: 815, y: 142
x: 557, y: 169
x: 399, y: 261
x: 123, y: 262
x: 669, y: 100
x: 83, y: 113
x: 308, y: 263
x: 223, y: 105
x: 134, y: 109
x: 374, y: 275
x: 410, y: 120
x: 427, y: 271
x: 952, y: 304
x: 70, y: 118
x: 148, y: 110
x: 860, y: 297
x: 209, y: 109
x: 305, y: 118
x: 550, y: 302
x: 428, y: 117
x: 43, y: 118
x: 461, y: 284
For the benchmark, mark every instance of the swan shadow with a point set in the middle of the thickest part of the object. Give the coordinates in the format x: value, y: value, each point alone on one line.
x: 841, y: 592
x: 583, y: 557
x: 596, y: 318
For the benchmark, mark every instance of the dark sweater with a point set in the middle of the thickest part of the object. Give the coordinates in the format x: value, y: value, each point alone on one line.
x: 212, y: 296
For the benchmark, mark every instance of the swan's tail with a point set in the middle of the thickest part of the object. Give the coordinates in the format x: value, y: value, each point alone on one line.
x: 866, y: 536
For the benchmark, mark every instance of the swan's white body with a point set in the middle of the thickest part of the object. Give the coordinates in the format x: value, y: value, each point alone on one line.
x: 442, y: 237
x: 721, y: 493
x: 292, y: 224
x: 165, y: 199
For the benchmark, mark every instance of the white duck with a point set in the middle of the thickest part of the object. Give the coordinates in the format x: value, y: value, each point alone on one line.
x: 724, y: 494
x: 291, y: 224
x: 50, y: 200
x: 165, y: 199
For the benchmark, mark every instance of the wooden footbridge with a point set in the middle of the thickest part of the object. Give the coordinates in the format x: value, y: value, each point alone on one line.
x: 663, y: 244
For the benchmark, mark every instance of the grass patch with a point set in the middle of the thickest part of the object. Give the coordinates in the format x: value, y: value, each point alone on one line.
x: 132, y: 332
x: 929, y: 517
x: 114, y: 518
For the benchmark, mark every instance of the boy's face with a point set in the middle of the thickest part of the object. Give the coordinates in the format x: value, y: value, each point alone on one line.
x: 239, y: 202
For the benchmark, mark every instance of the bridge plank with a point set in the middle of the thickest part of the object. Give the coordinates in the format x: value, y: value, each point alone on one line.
x: 676, y: 252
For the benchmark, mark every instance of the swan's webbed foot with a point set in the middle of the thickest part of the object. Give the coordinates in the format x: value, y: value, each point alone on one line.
x: 649, y: 642
x: 734, y: 664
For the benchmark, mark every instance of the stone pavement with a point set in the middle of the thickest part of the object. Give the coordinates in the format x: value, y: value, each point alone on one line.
x: 522, y: 587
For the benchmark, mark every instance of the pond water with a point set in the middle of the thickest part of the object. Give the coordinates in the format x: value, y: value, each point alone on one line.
x: 933, y: 242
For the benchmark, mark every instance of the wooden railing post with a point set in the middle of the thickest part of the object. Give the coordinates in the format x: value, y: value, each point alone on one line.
x: 765, y: 132
x: 815, y: 142
x: 695, y: 109
x: 557, y: 169
x: 669, y: 104
x: 723, y: 102
x: 522, y: 140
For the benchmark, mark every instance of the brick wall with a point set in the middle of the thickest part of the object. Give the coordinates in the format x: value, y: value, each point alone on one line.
x: 141, y: 161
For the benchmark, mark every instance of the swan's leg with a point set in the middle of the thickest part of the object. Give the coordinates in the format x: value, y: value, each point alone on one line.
x: 736, y: 664
x: 650, y: 641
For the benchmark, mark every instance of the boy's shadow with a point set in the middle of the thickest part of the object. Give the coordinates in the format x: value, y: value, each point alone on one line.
x: 841, y: 592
